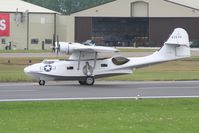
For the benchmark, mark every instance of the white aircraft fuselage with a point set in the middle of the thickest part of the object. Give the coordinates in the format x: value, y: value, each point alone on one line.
x: 85, y: 66
x: 69, y: 69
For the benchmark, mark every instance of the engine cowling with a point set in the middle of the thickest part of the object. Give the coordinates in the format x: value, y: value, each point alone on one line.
x: 66, y: 48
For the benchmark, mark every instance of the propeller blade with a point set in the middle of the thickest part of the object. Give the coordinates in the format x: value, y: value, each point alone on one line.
x: 58, y: 45
x: 54, y: 45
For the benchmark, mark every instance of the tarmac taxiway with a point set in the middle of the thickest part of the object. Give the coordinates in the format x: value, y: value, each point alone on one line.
x: 101, y: 90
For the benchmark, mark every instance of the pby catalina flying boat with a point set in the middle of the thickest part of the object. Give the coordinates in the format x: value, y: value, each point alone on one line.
x: 85, y: 66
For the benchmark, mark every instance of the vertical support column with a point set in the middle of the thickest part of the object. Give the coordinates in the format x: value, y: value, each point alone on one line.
x: 55, y: 24
x: 95, y: 59
x: 28, y: 30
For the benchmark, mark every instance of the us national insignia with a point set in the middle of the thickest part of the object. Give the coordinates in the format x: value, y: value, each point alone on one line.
x: 47, y: 68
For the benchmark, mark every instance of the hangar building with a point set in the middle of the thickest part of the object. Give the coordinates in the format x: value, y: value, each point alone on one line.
x: 130, y: 22
x: 27, y: 26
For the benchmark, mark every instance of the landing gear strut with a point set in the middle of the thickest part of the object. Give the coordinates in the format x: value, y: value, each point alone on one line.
x: 88, y: 81
x: 42, y: 82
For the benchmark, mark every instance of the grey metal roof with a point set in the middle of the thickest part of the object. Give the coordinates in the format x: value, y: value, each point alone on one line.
x: 13, y: 5
x: 187, y: 3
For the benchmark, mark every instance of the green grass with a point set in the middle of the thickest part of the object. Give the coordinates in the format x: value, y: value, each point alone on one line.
x: 186, y: 69
x: 113, y: 116
x: 13, y: 74
x: 136, y: 50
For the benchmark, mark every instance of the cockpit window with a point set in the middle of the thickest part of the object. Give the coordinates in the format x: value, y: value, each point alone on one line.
x: 48, y: 62
x: 89, y: 43
x: 120, y: 60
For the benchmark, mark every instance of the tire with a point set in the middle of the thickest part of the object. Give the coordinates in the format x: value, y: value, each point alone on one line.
x: 42, y: 82
x: 82, y: 82
x: 90, y: 80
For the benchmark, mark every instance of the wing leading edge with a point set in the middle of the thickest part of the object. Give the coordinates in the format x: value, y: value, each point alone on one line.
x: 76, y: 50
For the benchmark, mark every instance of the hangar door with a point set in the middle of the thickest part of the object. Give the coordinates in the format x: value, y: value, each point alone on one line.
x: 113, y: 31
x: 120, y: 31
x: 139, y: 9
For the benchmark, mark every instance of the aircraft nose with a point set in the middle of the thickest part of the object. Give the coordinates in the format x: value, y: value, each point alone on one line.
x: 27, y: 70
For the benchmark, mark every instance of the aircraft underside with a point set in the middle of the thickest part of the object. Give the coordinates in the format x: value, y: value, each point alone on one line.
x: 42, y: 78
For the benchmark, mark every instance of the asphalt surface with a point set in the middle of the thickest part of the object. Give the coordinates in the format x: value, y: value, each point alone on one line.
x: 101, y: 90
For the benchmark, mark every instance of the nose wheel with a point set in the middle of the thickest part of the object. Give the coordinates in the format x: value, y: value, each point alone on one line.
x: 42, y: 82
x: 88, y: 81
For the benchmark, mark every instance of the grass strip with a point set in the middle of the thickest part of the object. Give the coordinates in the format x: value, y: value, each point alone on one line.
x: 136, y: 50
x: 112, y: 116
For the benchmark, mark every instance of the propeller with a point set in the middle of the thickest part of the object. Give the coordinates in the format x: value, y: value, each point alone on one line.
x: 56, y: 45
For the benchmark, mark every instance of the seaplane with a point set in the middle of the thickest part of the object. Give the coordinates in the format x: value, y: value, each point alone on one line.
x: 85, y: 66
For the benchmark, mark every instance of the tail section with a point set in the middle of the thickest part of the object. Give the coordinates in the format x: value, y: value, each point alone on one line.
x: 177, y: 46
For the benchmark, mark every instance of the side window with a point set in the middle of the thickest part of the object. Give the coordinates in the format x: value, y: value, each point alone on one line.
x: 70, y: 68
x: 104, y: 65
x: 120, y: 60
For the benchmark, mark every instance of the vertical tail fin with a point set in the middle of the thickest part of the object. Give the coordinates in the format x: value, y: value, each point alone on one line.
x: 177, y: 45
x: 178, y: 37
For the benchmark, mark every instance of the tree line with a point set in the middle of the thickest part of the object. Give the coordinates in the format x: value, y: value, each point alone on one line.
x: 67, y: 6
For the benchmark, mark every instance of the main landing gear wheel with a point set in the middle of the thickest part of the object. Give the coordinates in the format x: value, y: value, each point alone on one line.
x: 88, y: 81
x: 42, y: 82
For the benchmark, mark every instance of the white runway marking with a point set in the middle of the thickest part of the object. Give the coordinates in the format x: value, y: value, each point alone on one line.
x: 158, y: 88
x: 95, y: 98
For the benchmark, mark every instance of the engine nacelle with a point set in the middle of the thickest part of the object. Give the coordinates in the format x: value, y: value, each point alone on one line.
x: 66, y: 48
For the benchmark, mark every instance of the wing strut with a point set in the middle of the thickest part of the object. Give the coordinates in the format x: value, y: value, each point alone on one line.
x: 80, y: 54
x: 95, y: 60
